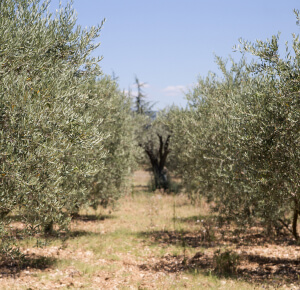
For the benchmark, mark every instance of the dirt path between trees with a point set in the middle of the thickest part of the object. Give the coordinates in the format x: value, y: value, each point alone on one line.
x: 154, y: 241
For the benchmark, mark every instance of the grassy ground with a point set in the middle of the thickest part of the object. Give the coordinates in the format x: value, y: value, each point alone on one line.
x: 154, y: 241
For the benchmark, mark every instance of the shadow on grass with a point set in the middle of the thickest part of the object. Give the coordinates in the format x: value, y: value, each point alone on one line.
x: 260, y: 268
x: 179, y: 263
x: 269, y: 268
x: 80, y: 233
x: 92, y: 217
x: 72, y: 234
x: 195, y: 219
x: 77, y: 217
x: 182, y: 238
x: 20, y: 234
x: 262, y: 260
x: 211, y: 232
x: 271, y: 271
x: 13, y: 267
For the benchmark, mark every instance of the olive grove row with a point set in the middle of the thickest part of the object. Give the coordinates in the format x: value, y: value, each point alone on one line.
x: 238, y: 141
x: 65, y: 129
x: 69, y: 138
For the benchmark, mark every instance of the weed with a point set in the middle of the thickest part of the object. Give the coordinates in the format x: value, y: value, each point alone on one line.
x: 225, y: 262
x: 208, y: 231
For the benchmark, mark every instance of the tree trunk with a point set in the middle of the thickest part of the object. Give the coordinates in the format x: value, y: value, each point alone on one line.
x: 158, y: 160
x: 295, y: 220
x: 160, y: 178
x: 48, y: 229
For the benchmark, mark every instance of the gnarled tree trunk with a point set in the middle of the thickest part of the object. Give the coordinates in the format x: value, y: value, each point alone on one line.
x: 158, y: 161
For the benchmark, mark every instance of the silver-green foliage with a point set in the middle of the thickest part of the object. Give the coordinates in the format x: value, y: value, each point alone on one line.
x: 52, y: 143
x: 119, y: 146
x: 239, y: 140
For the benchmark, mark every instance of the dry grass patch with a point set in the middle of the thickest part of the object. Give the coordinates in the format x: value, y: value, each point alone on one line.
x: 154, y: 241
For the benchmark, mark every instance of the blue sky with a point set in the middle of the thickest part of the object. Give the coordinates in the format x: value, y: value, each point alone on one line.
x: 168, y: 44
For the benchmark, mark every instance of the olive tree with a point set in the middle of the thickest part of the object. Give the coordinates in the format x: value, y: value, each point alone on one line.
x: 118, y: 147
x: 274, y: 150
x: 238, y: 142
x: 153, y: 137
x: 155, y: 142
x: 51, y: 142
